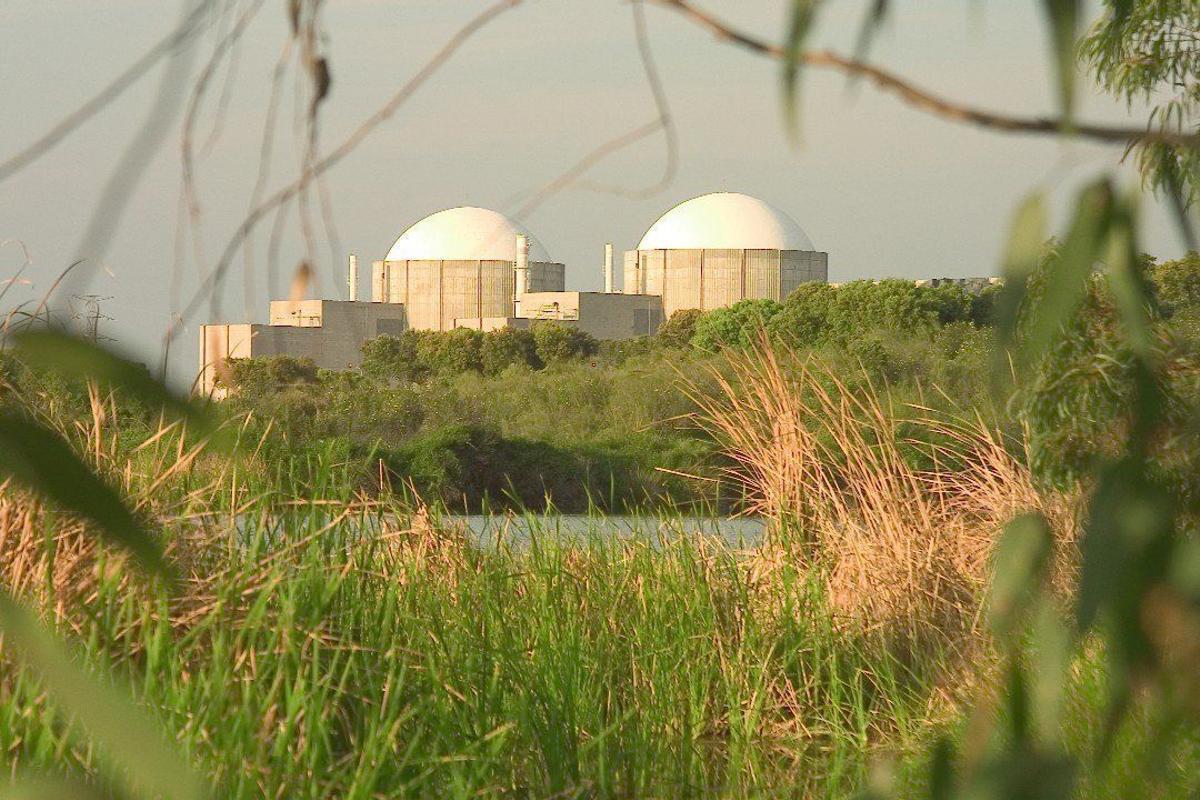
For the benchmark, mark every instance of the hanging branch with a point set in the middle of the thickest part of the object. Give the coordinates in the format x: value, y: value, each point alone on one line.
x: 922, y: 99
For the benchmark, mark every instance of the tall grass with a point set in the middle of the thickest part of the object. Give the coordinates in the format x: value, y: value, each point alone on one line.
x: 375, y: 654
x: 895, y: 509
x: 327, y: 644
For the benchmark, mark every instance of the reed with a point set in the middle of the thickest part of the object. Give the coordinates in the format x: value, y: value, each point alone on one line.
x: 902, y: 542
x: 323, y: 643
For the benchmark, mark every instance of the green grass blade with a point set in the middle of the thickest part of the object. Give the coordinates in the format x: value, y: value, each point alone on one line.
x: 112, y: 722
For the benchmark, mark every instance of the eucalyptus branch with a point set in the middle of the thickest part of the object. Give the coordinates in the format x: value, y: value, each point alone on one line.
x: 923, y: 99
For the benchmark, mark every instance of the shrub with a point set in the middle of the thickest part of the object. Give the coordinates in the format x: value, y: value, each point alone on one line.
x: 615, y: 352
x: 1178, y: 284
x: 261, y: 375
x: 505, y: 347
x: 739, y: 325
x: 804, y: 319
x: 558, y: 342
x: 393, y: 359
x: 450, y: 352
x: 680, y: 328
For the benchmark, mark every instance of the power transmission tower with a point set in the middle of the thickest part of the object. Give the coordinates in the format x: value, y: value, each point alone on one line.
x: 86, y: 314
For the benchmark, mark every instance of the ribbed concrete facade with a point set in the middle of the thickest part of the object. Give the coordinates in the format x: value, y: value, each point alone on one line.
x: 714, y: 278
x: 436, y: 293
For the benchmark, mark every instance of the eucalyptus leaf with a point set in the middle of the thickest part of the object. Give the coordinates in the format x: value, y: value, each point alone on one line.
x: 1050, y: 657
x: 800, y: 23
x: 1022, y: 557
x: 1020, y: 261
x: 1066, y: 282
x: 1063, y: 17
x: 872, y: 21
x: 1129, y: 285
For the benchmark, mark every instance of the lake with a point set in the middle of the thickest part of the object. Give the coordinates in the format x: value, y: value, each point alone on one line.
x: 485, y: 529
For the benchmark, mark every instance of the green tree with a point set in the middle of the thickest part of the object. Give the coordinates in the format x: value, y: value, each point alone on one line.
x: 260, y: 376
x: 1178, y: 284
x: 739, y: 325
x: 680, y: 328
x: 450, y: 352
x: 804, y: 319
x: 507, y: 346
x: 558, y: 342
x: 1149, y: 51
x: 393, y: 359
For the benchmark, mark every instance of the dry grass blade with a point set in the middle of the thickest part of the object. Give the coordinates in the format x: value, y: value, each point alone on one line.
x: 901, y: 548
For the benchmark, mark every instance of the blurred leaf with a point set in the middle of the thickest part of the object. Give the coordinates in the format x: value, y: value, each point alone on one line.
x: 1129, y: 521
x: 73, y: 357
x: 40, y: 788
x: 1025, y: 775
x: 1017, y: 700
x: 1020, y: 261
x: 1129, y: 285
x: 1185, y: 569
x: 804, y: 13
x: 1050, y: 657
x: 1063, y: 17
x: 43, y: 462
x: 117, y: 727
x: 1066, y: 282
x: 941, y: 773
x: 872, y: 22
x: 300, y: 282
x: 1022, y: 556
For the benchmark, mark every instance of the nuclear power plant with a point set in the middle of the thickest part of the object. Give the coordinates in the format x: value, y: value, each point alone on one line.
x: 474, y: 268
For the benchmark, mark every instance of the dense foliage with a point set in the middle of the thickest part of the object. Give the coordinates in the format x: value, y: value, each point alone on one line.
x: 516, y: 416
x: 1149, y: 52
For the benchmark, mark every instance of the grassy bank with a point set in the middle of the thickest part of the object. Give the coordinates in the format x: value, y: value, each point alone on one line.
x: 323, y: 643
x: 405, y: 663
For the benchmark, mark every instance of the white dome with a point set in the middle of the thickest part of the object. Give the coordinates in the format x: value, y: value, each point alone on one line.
x: 465, y: 233
x: 725, y: 220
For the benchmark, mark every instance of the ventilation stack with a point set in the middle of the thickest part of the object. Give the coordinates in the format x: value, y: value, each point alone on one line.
x: 608, y: 268
x: 352, y: 277
x: 521, y: 278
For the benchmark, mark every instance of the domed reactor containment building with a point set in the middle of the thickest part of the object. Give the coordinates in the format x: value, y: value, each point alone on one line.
x: 461, y: 265
x: 716, y: 249
x: 474, y: 268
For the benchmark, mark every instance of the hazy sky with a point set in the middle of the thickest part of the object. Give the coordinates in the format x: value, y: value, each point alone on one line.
x: 885, y: 189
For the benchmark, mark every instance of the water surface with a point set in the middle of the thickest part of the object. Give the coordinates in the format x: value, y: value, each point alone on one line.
x: 486, y: 529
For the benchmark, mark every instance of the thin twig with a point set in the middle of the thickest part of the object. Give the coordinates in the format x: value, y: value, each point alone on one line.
x: 105, y: 96
x: 252, y: 219
x: 922, y: 99
x: 665, y: 119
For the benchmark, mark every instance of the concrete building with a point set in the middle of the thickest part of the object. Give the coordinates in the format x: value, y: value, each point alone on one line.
x: 458, y: 264
x: 972, y: 285
x: 330, y: 332
x: 716, y: 249
x: 604, y: 316
x: 470, y: 267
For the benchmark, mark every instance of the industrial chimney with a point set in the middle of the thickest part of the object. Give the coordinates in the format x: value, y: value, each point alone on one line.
x: 521, y: 279
x: 352, y: 277
x: 608, y: 268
